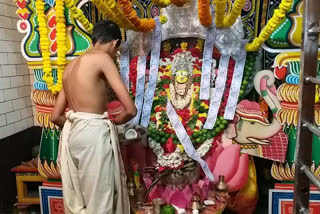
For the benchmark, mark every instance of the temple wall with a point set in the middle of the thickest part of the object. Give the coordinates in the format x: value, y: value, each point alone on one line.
x: 16, y: 113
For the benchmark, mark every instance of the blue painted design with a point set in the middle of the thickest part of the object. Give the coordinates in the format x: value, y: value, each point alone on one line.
x: 38, y: 73
x: 276, y: 195
x: 40, y: 86
x: 50, y: 2
x: 293, y: 79
x: 45, y: 192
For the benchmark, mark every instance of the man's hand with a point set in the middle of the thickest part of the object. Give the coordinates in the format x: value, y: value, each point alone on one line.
x: 113, y: 77
x: 58, y: 115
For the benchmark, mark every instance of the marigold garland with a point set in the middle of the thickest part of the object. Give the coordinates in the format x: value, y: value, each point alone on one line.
x: 271, y: 26
x: 44, y: 44
x: 78, y: 15
x: 235, y: 12
x: 221, y: 6
x: 204, y: 14
x: 161, y: 3
x: 111, y: 10
x: 179, y: 3
x: 143, y: 25
x: 61, y: 44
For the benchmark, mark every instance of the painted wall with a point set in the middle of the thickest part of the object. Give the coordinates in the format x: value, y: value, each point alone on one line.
x: 16, y: 113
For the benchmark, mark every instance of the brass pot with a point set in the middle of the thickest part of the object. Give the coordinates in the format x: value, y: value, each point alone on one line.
x: 221, y: 186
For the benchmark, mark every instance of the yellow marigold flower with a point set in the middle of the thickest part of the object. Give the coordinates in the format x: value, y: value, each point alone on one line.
x: 184, y: 45
x: 166, y: 46
x: 204, y: 105
x: 181, y: 147
x: 163, y: 19
x: 203, y: 115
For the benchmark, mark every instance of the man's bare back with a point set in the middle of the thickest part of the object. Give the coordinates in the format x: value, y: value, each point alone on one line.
x: 85, y: 85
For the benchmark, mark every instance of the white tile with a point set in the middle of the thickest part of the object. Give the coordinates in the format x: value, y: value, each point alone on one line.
x: 17, y: 81
x: 26, y: 80
x: 3, y: 57
x: 30, y: 121
x: 20, y: 125
x: 24, y: 91
x: 14, y: 58
x: 26, y: 112
x: 9, y: 70
x: 10, y: 11
x: 13, y: 117
x: 4, y: 82
x: 22, y: 70
x: 14, y: 23
x: 1, y: 9
x: 32, y: 79
x: 28, y: 101
x: 12, y: 93
x: 9, y: 47
x: 3, y: 120
x: 6, y: 131
x: 1, y: 95
x: 5, y: 22
x: 6, y: 107
x: 19, y: 103
x: 9, y: 34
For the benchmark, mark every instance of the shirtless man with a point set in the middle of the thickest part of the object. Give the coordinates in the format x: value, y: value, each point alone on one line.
x: 91, y: 166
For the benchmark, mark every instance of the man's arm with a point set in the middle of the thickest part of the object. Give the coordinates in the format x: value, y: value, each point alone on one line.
x: 113, y: 76
x: 58, y: 115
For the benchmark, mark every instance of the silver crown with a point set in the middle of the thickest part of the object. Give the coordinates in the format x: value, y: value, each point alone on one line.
x: 182, y: 22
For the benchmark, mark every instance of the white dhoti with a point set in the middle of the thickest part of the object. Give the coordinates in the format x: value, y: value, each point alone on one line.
x: 92, y: 172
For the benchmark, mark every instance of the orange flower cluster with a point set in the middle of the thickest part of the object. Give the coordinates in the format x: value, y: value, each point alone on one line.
x: 204, y: 12
x: 178, y: 3
x: 143, y: 25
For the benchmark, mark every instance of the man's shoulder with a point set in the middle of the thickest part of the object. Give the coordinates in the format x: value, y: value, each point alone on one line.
x: 94, y: 55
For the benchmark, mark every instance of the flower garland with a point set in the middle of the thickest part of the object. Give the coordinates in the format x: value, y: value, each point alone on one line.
x: 143, y: 25
x: 271, y: 26
x: 161, y: 3
x: 179, y: 3
x: 163, y: 140
x: 61, y: 44
x: 111, y: 10
x: 220, y: 11
x: 78, y: 14
x: 176, y: 159
x: 204, y: 13
x: 44, y: 44
x: 235, y: 12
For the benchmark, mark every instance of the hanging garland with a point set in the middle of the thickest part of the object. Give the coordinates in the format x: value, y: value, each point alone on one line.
x: 271, y: 26
x: 179, y: 3
x: 161, y: 3
x: 221, y: 6
x: 163, y: 139
x: 78, y: 15
x: 44, y: 45
x: 143, y: 25
x: 234, y: 14
x: 61, y: 43
x: 111, y: 10
x: 204, y: 13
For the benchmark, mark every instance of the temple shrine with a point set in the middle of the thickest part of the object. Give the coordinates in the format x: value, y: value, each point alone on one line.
x: 215, y: 84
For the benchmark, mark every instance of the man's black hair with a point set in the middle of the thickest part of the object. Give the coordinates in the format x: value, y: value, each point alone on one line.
x: 105, y: 31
